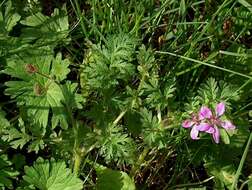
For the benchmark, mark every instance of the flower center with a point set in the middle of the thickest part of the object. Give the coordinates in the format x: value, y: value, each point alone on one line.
x: 215, y: 120
x: 195, y: 119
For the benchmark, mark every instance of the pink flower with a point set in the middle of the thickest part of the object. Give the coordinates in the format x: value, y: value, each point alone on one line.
x: 208, y: 122
x: 196, y: 125
x: 215, y: 120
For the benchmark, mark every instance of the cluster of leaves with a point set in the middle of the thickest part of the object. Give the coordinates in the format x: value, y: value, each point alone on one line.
x: 113, y: 120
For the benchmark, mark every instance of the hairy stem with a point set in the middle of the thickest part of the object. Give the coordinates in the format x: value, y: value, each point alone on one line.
x: 119, y: 117
x: 159, y: 114
x: 76, y: 149
x: 77, y: 162
x: 135, y: 168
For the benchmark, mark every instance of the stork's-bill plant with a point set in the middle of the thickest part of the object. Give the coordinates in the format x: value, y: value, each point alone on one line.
x: 208, y: 122
x: 93, y: 94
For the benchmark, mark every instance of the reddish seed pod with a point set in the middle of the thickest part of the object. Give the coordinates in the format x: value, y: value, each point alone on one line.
x: 38, y: 89
x: 227, y: 26
x: 30, y: 68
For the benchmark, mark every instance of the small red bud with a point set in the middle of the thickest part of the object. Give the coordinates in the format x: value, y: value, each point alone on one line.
x: 38, y: 89
x: 30, y: 68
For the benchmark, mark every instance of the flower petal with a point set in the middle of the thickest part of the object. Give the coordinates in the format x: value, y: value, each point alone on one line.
x: 194, y: 133
x: 187, y: 123
x: 216, y: 135
x: 205, y: 113
x: 211, y: 130
x: 220, y: 109
x: 203, y: 127
x: 228, y: 125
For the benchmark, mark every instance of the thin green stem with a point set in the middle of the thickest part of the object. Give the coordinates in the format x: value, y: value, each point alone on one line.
x: 78, y: 13
x: 139, y: 162
x: 77, y: 153
x: 244, y: 183
x: 213, y: 55
x: 76, y: 149
x: 77, y: 162
x: 204, y: 63
x: 225, y: 3
x: 119, y: 117
x: 2, y: 3
x: 244, y: 107
x: 190, y: 184
x: 96, y: 30
x: 242, y: 161
x: 206, y: 28
x: 159, y: 114
x: 235, y: 54
x: 239, y: 89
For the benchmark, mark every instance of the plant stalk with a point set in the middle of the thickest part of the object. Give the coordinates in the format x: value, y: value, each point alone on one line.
x: 119, y: 117
x: 238, y: 172
x: 139, y: 162
x: 77, y: 162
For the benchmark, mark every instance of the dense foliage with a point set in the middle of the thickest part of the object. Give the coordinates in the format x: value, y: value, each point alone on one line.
x: 99, y: 94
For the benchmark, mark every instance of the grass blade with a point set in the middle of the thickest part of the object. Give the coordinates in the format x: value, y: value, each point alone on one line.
x: 204, y: 63
x: 238, y: 172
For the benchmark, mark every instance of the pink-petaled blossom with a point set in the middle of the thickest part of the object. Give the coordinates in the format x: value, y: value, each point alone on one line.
x: 215, y: 121
x: 196, y: 125
x: 208, y: 122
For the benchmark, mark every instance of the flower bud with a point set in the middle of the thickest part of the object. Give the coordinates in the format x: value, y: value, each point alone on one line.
x: 38, y: 89
x: 30, y: 68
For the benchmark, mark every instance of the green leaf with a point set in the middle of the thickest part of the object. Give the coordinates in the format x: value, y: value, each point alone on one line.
x: 212, y: 92
x: 51, y: 175
x: 18, y: 161
x: 224, y: 136
x: 60, y: 67
x: 246, y: 4
x: 22, y: 134
x: 116, y: 145
x: 146, y: 60
x: 159, y: 92
x: 4, y: 123
x: 35, y: 20
x: 7, y: 173
x: 208, y: 91
x: 182, y: 7
x: 152, y: 131
x: 8, y: 19
x: 37, y: 91
x: 106, y: 65
x: 16, y: 138
x: 113, y: 180
x: 250, y: 183
x: 72, y: 100
x: 224, y: 173
x: 47, y: 29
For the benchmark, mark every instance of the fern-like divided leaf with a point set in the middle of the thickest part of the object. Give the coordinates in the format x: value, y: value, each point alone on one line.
x: 6, y: 172
x: 51, y: 175
x: 158, y: 93
x: 116, y: 146
x: 8, y: 19
x: 21, y: 135
x: 213, y: 92
x: 105, y: 65
x: 153, y: 132
x: 3, y: 121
